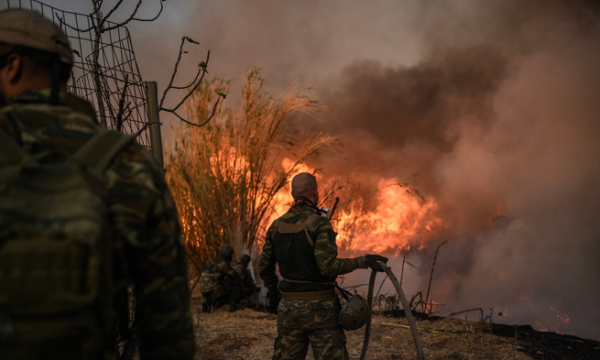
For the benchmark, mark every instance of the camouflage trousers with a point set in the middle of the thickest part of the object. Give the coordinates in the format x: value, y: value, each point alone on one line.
x: 228, y: 292
x: 314, y: 322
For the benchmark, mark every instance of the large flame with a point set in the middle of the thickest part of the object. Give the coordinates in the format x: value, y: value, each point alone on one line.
x: 401, y: 218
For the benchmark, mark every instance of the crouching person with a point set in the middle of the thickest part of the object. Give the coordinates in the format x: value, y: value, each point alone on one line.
x: 220, y: 283
x: 247, y: 285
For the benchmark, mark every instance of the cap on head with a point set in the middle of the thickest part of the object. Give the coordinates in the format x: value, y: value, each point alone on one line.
x: 226, y: 252
x: 246, y: 259
x: 304, y: 184
x: 30, y: 29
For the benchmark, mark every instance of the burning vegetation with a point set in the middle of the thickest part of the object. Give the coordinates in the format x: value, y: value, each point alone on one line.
x: 226, y: 175
x: 489, y: 140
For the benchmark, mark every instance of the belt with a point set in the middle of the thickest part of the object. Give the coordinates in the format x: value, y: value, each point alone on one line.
x: 332, y: 283
x: 305, y: 295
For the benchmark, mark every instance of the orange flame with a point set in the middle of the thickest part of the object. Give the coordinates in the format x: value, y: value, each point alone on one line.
x: 400, y: 220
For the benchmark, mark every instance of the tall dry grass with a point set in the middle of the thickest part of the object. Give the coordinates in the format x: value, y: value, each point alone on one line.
x: 224, y: 176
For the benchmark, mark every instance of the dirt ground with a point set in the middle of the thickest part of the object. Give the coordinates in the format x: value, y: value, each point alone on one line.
x: 249, y: 334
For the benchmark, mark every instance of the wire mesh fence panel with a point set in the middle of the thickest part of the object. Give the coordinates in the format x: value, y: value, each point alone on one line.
x: 105, y: 70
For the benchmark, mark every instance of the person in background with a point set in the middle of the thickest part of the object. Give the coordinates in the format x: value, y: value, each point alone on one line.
x: 220, y: 284
x: 248, y: 286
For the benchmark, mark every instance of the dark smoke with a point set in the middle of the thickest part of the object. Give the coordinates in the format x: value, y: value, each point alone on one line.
x: 500, y: 120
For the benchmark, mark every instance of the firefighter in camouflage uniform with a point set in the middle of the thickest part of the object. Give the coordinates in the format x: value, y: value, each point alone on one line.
x: 50, y: 256
x: 303, y: 244
x: 247, y: 284
x: 220, y: 284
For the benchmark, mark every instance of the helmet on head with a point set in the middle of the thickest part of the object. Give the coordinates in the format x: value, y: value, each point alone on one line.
x: 246, y: 259
x: 354, y: 313
x: 226, y: 252
x: 32, y: 30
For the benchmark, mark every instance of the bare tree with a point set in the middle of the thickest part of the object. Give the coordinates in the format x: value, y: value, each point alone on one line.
x: 101, y: 23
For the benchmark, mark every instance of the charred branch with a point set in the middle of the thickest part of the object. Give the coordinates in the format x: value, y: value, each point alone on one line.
x: 337, y: 200
x: 431, y: 277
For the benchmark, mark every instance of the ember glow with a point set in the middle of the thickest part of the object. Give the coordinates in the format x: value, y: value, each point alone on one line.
x: 553, y: 320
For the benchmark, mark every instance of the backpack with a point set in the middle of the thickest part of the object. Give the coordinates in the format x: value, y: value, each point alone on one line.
x: 55, y: 252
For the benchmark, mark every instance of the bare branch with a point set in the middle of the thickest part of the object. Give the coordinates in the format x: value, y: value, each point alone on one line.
x: 157, y: 15
x: 174, y: 111
x: 190, y: 84
x: 122, y: 104
x: 147, y: 125
x: 162, y: 100
x: 197, y: 80
x: 111, y: 11
x: 99, y: 27
x: 62, y: 22
x: 203, y: 71
x: 122, y: 23
x: 97, y: 6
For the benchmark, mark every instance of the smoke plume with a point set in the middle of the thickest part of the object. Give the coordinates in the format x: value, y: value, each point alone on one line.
x: 500, y: 120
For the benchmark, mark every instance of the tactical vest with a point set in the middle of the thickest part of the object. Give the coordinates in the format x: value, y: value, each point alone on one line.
x: 294, y: 250
x: 55, y: 252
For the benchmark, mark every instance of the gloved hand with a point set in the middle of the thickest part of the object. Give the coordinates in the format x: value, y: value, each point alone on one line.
x: 257, y: 289
x: 274, y: 297
x: 373, y: 259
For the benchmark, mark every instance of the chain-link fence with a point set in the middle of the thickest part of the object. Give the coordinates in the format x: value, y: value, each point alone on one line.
x: 105, y: 71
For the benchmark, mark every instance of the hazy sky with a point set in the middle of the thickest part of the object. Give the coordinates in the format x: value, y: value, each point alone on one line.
x: 305, y: 40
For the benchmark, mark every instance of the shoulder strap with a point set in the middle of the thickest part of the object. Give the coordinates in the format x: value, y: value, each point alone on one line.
x: 310, y: 240
x: 308, y: 222
x: 311, y: 220
x: 284, y: 228
x: 10, y: 152
x: 97, y: 153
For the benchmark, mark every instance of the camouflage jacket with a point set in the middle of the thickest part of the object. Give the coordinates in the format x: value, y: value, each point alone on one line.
x: 243, y: 273
x: 148, y: 246
x: 214, y: 273
x: 325, y: 251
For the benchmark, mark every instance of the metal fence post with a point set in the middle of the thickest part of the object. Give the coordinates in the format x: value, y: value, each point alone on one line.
x: 154, y: 121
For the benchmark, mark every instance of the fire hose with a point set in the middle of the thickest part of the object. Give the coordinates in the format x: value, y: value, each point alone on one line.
x: 405, y: 306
